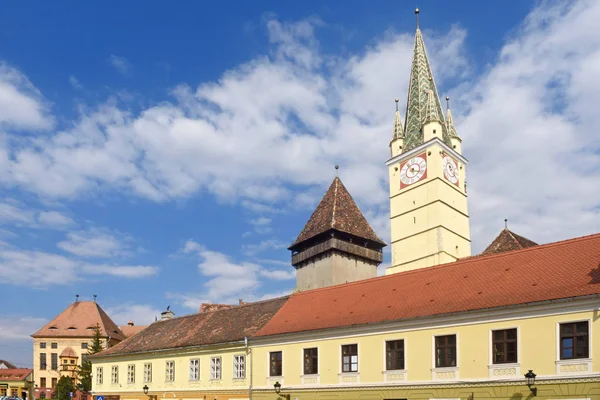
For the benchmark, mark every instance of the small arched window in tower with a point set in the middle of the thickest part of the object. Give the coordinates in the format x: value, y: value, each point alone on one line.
x: 414, y: 220
x: 454, y: 146
x: 434, y: 131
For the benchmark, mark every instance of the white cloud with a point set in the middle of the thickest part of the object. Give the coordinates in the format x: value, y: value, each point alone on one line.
x: 75, y: 82
x: 95, y: 242
x: 256, y: 248
x: 140, y: 314
x: 298, y: 111
x: 54, y: 219
x: 22, y: 104
x: 262, y: 225
x: 42, y: 269
x: 121, y: 64
x: 226, y: 280
x: 15, y: 337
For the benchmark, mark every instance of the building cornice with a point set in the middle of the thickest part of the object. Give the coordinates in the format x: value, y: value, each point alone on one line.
x: 414, y: 151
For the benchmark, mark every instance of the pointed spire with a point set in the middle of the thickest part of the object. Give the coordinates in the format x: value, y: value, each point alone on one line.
x: 398, y: 130
x: 423, y: 100
x: 449, y: 121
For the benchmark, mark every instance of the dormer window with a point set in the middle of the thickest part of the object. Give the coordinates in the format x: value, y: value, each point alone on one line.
x: 53, y: 328
x: 71, y: 328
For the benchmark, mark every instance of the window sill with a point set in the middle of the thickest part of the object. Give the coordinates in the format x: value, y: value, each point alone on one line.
x: 502, y: 371
x: 574, y: 366
x: 349, y: 377
x: 394, y: 375
x: 444, y: 374
x: 310, y: 379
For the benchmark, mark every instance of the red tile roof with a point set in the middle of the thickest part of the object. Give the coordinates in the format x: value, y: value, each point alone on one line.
x: 337, y: 210
x: 77, y: 321
x: 219, y: 326
x: 554, y: 271
x: 130, y: 330
x: 14, y: 374
x: 508, y: 241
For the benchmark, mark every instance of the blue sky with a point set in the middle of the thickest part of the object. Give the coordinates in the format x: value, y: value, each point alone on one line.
x: 157, y: 155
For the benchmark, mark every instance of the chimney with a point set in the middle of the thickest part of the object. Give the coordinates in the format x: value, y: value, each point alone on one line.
x: 130, y: 323
x: 168, y: 314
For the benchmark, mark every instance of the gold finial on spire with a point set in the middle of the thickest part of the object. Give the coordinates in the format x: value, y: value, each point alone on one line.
x: 337, y: 167
x: 447, y: 102
x: 417, y: 16
x: 396, y: 100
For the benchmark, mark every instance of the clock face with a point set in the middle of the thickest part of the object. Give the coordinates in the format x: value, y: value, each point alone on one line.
x: 413, y: 170
x: 450, y: 169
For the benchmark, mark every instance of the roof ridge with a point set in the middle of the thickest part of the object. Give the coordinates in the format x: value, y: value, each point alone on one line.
x: 450, y: 264
x: 335, y: 198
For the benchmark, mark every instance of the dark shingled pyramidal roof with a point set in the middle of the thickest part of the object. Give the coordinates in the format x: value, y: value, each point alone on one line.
x: 508, y: 241
x: 337, y: 210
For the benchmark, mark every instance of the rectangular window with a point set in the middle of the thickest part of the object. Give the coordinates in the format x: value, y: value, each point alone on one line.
x: 99, y: 375
x: 14, y: 392
x: 54, y: 382
x: 170, y: 371
x: 84, y: 346
x: 215, y: 368
x: 504, y: 346
x: 311, y: 361
x: 54, y: 345
x: 574, y: 340
x: 194, y: 369
x: 131, y: 373
x: 43, y: 361
x: 54, y: 361
x: 148, y: 372
x: 114, y: 375
x: 42, y: 382
x: 350, y: 358
x: 445, y: 351
x: 239, y: 367
x: 394, y: 355
x: 275, y: 363
x: 42, y: 345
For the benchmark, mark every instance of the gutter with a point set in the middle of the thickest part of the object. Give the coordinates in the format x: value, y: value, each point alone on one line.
x: 249, y: 352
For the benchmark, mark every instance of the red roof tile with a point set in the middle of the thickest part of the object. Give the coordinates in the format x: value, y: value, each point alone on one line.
x: 554, y: 271
x: 219, y: 326
x: 130, y: 330
x: 14, y: 374
x: 77, y: 321
x: 337, y: 210
x: 508, y: 241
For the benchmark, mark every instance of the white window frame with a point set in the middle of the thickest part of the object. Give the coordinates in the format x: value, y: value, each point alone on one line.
x: 574, y: 361
x: 508, y: 366
x: 341, y: 361
x: 131, y: 373
x: 169, y: 371
x: 239, y: 366
x: 99, y: 375
x: 433, y: 364
x: 216, y: 367
x: 114, y: 375
x: 194, y: 369
x: 147, y: 372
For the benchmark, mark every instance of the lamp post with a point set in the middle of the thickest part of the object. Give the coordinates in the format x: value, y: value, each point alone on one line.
x: 277, y: 387
x: 530, y: 377
x: 145, y: 388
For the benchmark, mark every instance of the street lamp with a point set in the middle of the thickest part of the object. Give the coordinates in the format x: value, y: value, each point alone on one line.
x: 530, y: 377
x: 277, y: 387
x: 145, y: 388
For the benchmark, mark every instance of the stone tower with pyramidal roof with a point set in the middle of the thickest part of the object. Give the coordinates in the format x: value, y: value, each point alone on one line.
x: 337, y: 244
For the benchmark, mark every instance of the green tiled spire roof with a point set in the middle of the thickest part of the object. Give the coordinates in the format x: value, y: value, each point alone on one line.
x: 423, y: 104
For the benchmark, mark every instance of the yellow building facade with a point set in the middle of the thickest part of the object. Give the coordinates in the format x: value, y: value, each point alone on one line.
x: 16, y: 382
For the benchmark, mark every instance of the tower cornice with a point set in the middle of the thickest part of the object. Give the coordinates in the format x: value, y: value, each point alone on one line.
x: 416, y: 150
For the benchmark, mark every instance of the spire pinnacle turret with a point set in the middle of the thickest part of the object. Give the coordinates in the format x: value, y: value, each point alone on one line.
x: 398, y: 130
x: 449, y: 121
x: 423, y: 104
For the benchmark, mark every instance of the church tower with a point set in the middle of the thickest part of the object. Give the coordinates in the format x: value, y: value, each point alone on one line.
x: 337, y: 244
x: 428, y: 196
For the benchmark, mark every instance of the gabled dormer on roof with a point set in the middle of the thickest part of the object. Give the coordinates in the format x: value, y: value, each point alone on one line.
x: 337, y: 244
